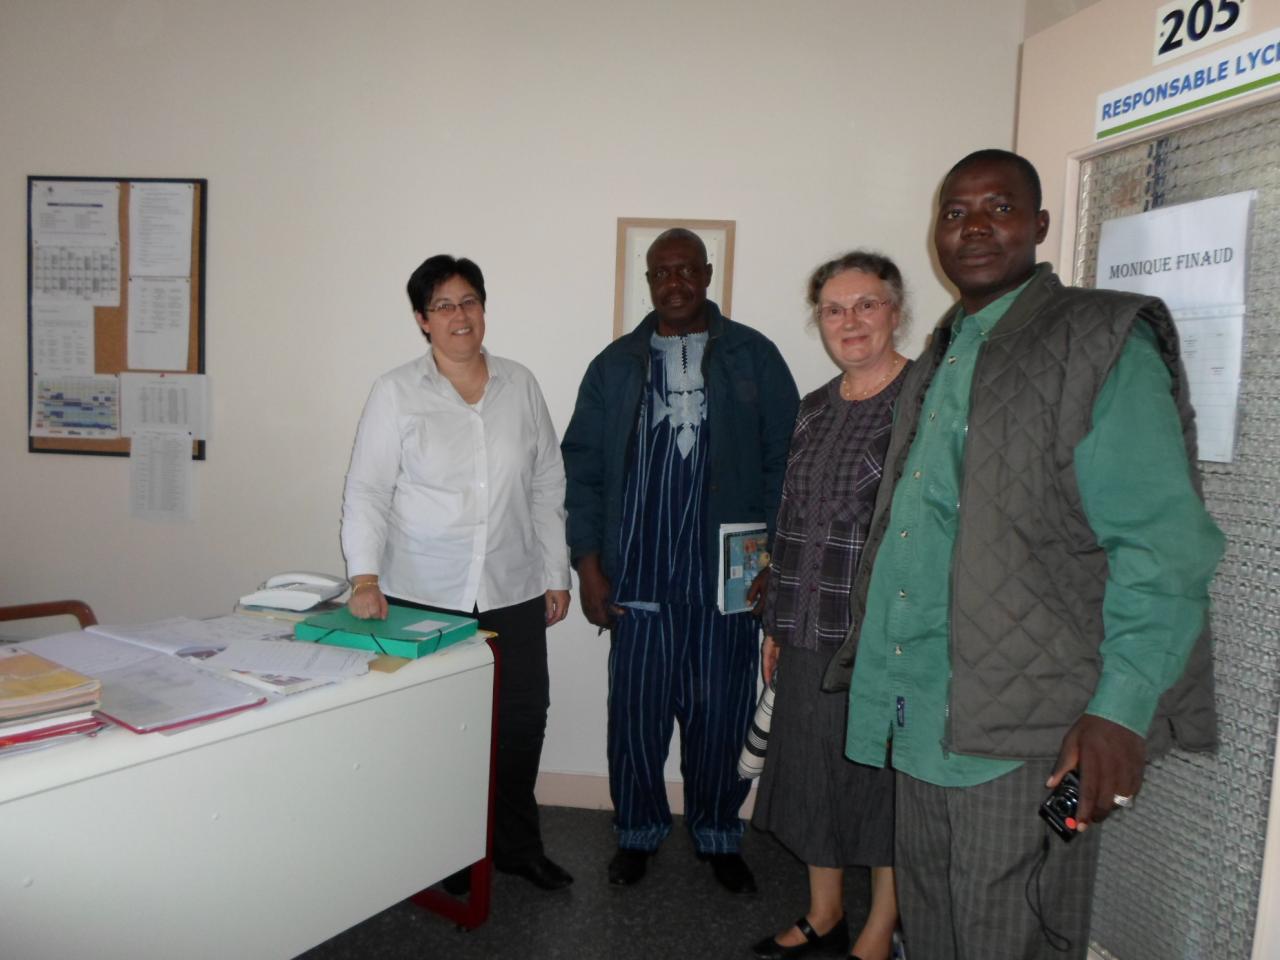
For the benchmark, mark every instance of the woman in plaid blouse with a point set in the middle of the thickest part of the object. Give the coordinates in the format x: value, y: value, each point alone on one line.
x: 828, y: 811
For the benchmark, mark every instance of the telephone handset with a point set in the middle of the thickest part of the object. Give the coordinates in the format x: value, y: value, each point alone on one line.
x: 298, y: 590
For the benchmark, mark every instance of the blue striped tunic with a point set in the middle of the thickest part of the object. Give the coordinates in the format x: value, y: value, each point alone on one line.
x: 664, y: 499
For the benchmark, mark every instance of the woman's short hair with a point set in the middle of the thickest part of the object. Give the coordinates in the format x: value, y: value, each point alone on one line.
x: 434, y: 271
x: 864, y: 261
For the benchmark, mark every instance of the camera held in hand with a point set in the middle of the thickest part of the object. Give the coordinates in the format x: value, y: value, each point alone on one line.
x: 1059, y: 808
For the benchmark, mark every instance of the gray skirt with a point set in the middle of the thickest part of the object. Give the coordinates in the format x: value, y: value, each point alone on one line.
x: 827, y: 810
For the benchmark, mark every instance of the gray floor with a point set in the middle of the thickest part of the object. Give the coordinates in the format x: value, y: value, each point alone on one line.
x: 678, y: 911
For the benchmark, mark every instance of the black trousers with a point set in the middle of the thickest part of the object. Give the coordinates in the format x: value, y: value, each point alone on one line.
x: 523, y: 697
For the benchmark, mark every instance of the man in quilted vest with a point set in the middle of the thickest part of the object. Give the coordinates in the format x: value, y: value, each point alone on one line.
x: 1039, y: 585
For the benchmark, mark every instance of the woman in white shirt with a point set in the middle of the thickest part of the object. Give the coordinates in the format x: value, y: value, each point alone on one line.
x: 455, y: 502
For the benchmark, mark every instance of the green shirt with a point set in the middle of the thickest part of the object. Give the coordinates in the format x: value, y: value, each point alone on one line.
x: 1161, y: 549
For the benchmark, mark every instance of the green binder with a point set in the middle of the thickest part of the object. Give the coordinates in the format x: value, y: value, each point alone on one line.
x: 405, y: 633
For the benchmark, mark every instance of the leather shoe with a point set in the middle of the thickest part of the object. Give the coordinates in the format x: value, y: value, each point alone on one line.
x: 540, y: 871
x: 628, y: 866
x: 732, y: 872
x: 832, y: 943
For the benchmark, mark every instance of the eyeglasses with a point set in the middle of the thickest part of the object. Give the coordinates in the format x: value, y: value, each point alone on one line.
x: 447, y: 309
x: 862, y: 309
x: 686, y: 271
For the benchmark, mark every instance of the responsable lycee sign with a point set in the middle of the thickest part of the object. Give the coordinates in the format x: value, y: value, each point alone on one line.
x: 1231, y: 71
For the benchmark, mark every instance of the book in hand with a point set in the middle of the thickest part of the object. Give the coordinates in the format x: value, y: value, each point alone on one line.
x: 744, y: 552
x: 406, y: 632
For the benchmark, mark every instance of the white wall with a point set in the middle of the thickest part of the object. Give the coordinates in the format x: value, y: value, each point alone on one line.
x: 345, y: 142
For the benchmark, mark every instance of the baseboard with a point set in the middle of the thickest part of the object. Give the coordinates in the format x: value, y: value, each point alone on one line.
x: 591, y: 792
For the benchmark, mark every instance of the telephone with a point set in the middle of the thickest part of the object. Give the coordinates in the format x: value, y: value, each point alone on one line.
x: 298, y: 590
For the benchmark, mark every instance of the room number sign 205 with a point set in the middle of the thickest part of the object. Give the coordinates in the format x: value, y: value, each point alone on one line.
x: 1188, y: 26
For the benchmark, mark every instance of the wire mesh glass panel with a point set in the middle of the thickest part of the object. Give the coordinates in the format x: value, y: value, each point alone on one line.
x: 1179, y: 877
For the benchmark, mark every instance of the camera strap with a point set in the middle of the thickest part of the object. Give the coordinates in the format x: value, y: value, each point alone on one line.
x: 1036, y: 901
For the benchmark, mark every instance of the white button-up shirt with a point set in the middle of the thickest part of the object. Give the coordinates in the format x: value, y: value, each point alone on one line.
x: 455, y: 505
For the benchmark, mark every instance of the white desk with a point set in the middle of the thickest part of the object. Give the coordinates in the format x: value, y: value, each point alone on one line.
x: 259, y: 835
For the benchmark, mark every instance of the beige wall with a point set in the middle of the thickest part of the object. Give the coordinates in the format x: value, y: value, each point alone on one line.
x: 345, y: 142
x: 1042, y: 14
x: 1064, y: 69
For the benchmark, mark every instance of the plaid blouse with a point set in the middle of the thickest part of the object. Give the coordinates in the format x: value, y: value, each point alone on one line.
x: 833, y: 473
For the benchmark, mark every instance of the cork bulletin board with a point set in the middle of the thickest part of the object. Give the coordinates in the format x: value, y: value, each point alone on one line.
x: 115, y: 286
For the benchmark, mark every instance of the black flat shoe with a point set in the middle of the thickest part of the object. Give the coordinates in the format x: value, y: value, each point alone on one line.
x: 833, y: 943
x: 732, y: 872
x: 628, y: 866
x: 540, y: 871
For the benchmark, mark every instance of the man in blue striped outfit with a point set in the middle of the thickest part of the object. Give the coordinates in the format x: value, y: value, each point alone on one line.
x: 680, y: 426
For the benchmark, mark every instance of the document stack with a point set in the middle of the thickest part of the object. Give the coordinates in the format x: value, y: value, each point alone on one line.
x: 42, y: 702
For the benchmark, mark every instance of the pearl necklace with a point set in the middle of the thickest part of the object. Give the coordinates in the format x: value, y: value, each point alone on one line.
x: 848, y: 393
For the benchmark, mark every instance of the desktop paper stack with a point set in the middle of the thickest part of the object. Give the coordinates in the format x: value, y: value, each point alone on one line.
x: 147, y: 684
x: 41, y: 701
x: 405, y: 633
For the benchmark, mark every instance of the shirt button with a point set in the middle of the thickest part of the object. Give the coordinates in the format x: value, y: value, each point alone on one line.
x: 951, y: 359
x: 897, y: 649
x: 916, y: 475
x: 903, y: 534
x: 902, y: 594
x: 933, y: 416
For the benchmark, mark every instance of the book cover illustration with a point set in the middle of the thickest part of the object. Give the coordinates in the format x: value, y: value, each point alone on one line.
x: 743, y: 554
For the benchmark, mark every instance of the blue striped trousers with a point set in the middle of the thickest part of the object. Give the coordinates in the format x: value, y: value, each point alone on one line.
x: 694, y: 666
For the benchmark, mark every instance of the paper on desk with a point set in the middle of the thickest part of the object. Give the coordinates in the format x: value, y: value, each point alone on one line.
x: 87, y: 653
x: 236, y: 626
x: 293, y: 659
x: 183, y: 636
x: 161, y: 691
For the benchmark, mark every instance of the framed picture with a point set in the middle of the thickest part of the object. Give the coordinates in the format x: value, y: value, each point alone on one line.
x: 631, y: 290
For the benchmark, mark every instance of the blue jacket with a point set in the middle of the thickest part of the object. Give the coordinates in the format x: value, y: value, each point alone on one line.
x: 751, y: 409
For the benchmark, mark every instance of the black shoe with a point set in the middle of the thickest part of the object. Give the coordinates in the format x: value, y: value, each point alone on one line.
x: 458, y: 884
x: 732, y: 872
x: 540, y: 871
x: 832, y: 943
x: 628, y: 866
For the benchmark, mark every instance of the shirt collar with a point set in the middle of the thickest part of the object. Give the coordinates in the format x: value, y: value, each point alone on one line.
x: 428, y: 370
x: 990, y: 315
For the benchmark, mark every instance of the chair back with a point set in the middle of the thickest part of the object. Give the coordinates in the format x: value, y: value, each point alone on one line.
x: 52, y: 608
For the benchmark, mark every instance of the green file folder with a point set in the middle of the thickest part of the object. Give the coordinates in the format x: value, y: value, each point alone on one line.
x: 405, y: 633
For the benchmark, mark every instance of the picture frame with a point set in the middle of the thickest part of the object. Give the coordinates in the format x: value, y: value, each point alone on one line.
x: 635, y: 235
